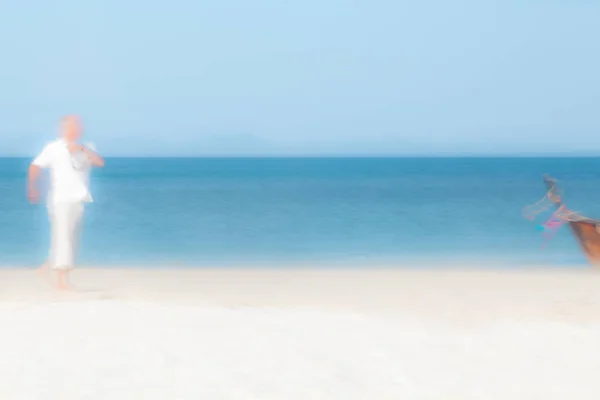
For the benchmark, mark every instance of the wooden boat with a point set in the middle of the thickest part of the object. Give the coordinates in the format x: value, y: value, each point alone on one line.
x: 586, y: 230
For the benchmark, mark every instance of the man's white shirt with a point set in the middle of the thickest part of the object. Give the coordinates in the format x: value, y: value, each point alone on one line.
x: 69, y: 173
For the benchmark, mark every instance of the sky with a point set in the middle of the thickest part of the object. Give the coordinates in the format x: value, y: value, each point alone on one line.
x: 310, y: 77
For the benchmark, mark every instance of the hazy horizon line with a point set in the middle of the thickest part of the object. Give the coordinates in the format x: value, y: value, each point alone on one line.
x: 358, y: 155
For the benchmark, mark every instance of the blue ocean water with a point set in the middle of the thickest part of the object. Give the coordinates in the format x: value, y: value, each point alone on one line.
x: 282, y: 211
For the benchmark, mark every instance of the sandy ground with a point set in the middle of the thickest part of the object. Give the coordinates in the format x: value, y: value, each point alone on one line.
x: 302, y: 334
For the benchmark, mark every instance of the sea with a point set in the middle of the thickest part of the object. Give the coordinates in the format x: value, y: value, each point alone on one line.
x: 319, y: 212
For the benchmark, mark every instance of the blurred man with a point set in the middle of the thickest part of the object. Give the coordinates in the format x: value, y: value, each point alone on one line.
x: 69, y: 163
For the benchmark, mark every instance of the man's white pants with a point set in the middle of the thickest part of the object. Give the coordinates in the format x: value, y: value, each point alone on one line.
x: 65, y: 228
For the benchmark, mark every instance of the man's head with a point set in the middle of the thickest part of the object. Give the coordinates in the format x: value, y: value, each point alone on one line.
x: 71, y: 128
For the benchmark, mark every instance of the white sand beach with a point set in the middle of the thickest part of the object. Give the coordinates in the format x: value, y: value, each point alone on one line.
x: 302, y: 334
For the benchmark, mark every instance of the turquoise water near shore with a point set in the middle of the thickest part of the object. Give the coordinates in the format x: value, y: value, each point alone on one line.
x: 281, y: 211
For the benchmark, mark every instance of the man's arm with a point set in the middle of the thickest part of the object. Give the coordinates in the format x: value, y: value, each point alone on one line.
x: 32, y: 191
x: 96, y: 159
x: 43, y: 160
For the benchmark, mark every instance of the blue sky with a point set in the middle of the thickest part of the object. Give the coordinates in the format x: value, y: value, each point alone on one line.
x: 303, y: 77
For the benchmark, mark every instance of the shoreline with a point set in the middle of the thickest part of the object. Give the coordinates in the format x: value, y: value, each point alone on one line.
x: 538, y: 292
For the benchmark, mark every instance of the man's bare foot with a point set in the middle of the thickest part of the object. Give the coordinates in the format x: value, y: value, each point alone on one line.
x: 43, y: 272
x: 63, y: 281
x: 43, y: 269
